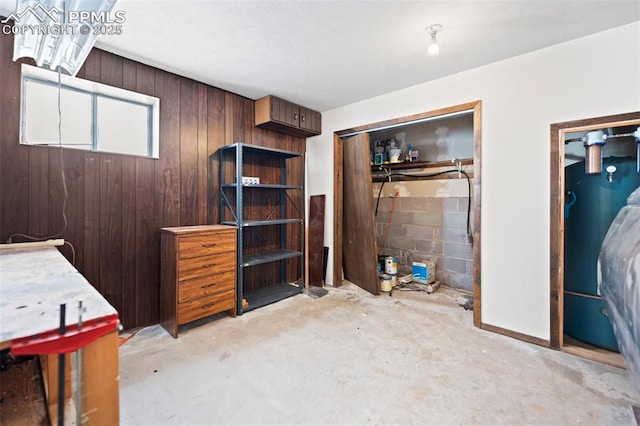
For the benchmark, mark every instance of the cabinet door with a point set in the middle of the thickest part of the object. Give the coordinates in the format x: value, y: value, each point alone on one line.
x: 316, y: 122
x: 292, y: 117
x: 278, y: 109
x: 310, y: 120
x: 305, y: 118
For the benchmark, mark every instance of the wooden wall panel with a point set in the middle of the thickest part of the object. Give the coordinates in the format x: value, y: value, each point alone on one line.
x: 14, y: 161
x: 234, y: 119
x: 129, y: 242
x: 56, y: 190
x: 39, y: 192
x: 145, y: 78
x: 315, y: 246
x: 91, y: 218
x: 189, y: 196
x: 147, y: 245
x: 53, y: 201
x: 112, y: 210
x: 111, y: 72
x: 203, y: 154
x: 167, y: 202
x: 215, y: 140
x: 91, y: 221
x: 92, y: 66
x: 110, y: 194
x: 129, y: 198
x: 147, y: 235
x: 4, y: 53
x: 74, y: 173
x: 295, y: 208
x: 116, y: 204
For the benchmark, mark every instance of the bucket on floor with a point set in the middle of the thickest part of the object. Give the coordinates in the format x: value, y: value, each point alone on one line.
x: 385, y: 282
x: 394, y: 280
x: 390, y: 265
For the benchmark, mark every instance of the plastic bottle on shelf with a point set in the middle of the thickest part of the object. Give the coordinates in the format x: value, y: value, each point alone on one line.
x: 413, y: 153
x: 402, y: 144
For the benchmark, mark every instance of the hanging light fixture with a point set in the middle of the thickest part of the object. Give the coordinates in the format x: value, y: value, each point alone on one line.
x: 42, y: 32
x: 433, y: 30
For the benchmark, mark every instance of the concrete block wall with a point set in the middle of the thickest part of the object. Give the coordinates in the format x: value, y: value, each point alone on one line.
x: 430, y: 228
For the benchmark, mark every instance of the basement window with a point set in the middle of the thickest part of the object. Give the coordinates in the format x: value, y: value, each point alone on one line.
x: 81, y: 114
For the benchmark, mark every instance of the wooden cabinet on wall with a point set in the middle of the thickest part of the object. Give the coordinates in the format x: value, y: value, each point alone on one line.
x: 198, y: 273
x: 276, y: 114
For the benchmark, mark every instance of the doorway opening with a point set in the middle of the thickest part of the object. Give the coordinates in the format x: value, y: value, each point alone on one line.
x: 590, y: 181
x: 353, y: 176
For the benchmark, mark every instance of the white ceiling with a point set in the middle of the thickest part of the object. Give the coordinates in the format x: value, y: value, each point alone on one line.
x: 325, y: 54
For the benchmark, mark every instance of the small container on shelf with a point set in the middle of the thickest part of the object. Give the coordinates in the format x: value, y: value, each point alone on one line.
x: 413, y: 153
x: 379, y: 154
x: 394, y: 156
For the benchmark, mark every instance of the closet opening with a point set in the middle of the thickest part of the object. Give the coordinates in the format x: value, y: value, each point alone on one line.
x: 594, y: 168
x: 409, y: 189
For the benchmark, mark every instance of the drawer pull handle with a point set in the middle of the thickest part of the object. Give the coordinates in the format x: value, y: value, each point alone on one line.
x: 207, y: 285
x: 208, y: 265
x: 209, y: 245
x: 208, y: 305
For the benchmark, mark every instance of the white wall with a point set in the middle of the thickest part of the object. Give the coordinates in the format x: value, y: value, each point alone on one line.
x: 521, y: 97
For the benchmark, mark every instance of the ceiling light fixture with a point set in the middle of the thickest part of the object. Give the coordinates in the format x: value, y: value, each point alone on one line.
x: 432, y: 30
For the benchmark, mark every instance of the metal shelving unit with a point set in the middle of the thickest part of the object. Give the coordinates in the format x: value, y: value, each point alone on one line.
x: 262, y: 185
x: 282, y: 289
x: 260, y: 222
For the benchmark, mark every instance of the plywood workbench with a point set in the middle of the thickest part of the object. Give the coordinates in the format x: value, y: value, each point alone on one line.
x: 33, y: 284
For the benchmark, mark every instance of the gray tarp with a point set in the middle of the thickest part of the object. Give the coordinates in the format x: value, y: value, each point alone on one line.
x: 619, y: 281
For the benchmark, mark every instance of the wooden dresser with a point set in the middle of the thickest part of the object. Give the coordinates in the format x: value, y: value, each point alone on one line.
x: 198, y: 273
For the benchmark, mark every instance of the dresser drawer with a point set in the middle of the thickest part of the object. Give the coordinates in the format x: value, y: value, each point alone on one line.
x: 204, y: 286
x: 206, y: 265
x: 206, y: 244
x: 205, y: 306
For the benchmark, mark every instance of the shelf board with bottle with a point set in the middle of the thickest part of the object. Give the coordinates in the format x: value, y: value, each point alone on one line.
x: 380, y: 172
x: 405, y: 165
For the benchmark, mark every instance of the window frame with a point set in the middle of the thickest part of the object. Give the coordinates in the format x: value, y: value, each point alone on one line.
x: 95, y: 91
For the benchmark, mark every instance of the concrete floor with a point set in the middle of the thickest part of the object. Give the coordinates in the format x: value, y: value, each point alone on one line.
x: 352, y: 358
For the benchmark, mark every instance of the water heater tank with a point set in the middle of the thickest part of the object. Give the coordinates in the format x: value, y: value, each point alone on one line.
x: 598, y: 199
x: 619, y: 281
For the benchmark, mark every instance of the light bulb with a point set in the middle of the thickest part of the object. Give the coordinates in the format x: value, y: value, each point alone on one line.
x: 433, y: 49
x: 432, y: 30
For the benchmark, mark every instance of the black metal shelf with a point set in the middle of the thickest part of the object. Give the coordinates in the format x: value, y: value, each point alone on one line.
x: 232, y: 209
x: 267, y: 295
x: 246, y: 223
x: 254, y: 149
x: 268, y: 256
x: 262, y: 185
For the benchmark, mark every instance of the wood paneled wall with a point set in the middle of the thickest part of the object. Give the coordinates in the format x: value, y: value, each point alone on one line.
x: 116, y: 204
